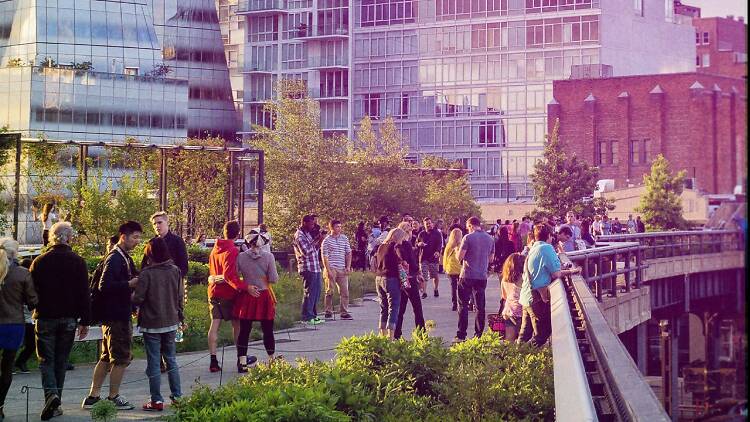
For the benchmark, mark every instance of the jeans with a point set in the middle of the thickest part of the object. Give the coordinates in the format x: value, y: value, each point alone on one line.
x: 468, y: 287
x: 54, y: 340
x: 158, y: 345
x: 389, y: 292
x: 410, y: 294
x: 312, y: 284
x: 536, y: 323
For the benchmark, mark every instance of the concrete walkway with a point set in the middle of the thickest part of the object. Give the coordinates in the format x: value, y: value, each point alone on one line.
x: 311, y: 343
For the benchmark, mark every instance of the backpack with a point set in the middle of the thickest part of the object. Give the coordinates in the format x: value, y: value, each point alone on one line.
x: 96, y: 294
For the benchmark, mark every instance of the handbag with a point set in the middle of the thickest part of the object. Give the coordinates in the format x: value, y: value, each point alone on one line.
x: 496, y: 323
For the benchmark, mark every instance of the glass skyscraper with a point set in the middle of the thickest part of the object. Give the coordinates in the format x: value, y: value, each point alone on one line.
x: 193, y: 48
x: 87, y: 70
x: 467, y: 80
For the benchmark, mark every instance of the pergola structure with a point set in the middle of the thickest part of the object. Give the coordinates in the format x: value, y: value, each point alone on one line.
x: 237, y: 155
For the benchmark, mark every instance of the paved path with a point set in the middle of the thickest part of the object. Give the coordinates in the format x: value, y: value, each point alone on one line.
x: 317, y: 343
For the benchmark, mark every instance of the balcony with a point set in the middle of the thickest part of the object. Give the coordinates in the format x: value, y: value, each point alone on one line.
x: 257, y: 68
x: 328, y: 95
x: 261, y: 7
x: 324, y: 33
x: 327, y: 63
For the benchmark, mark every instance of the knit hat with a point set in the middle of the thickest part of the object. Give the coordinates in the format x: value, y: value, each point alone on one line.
x: 257, y: 238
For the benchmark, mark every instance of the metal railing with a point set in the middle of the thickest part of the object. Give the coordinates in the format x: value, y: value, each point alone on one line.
x: 599, y: 367
x: 261, y: 5
x: 680, y: 243
x: 595, y: 376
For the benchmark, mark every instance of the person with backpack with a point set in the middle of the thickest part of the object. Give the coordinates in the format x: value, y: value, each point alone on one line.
x: 118, y: 279
x: 61, y: 282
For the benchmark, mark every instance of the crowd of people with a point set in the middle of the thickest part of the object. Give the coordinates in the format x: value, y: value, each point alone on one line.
x: 65, y: 301
x: 405, y: 259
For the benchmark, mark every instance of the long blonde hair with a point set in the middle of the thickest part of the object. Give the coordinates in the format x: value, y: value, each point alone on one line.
x: 8, y: 251
x: 454, y: 239
x: 396, y: 235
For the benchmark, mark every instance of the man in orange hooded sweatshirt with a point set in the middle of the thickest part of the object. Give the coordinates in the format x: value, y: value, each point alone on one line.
x: 224, y: 284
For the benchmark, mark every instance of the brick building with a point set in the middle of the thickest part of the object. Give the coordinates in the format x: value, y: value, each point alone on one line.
x: 686, y: 10
x: 697, y: 121
x: 721, y: 46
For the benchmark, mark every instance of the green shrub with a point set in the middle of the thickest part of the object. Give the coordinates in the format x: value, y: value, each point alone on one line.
x: 198, y: 253
x: 197, y: 272
x: 92, y: 262
x: 374, y: 378
x: 104, y: 410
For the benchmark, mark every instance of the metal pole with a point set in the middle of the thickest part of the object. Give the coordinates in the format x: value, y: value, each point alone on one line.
x: 83, y: 152
x: 507, y: 185
x: 241, y: 210
x: 261, y: 184
x: 666, y: 368
x: 230, y: 188
x: 163, y: 180
x: 17, y: 186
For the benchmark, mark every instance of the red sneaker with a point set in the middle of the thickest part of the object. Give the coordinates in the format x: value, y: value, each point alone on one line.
x: 154, y: 406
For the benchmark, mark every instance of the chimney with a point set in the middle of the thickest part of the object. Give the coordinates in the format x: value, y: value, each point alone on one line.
x: 740, y: 19
x: 730, y: 17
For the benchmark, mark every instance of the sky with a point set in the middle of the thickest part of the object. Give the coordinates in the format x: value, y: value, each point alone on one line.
x: 711, y: 8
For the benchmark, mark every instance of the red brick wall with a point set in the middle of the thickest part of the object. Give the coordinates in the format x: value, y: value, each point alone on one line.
x: 730, y: 35
x: 700, y: 131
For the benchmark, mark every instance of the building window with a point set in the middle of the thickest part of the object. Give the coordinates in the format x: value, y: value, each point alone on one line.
x: 706, y: 60
x: 635, y: 151
x: 132, y: 71
x: 697, y: 37
x: 488, y: 133
x: 705, y: 38
x: 372, y: 105
x: 601, y: 152
x: 697, y: 61
x: 638, y: 6
x: 646, y: 152
x: 613, y: 159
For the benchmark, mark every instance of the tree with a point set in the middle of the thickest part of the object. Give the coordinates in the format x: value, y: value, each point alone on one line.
x: 104, y: 208
x: 561, y: 181
x: 597, y: 206
x: 335, y: 177
x: 661, y: 206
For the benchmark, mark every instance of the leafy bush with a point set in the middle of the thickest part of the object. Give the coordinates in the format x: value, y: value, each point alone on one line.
x: 374, y: 378
x: 104, y: 410
x: 92, y: 262
x: 198, y: 253
x: 197, y: 272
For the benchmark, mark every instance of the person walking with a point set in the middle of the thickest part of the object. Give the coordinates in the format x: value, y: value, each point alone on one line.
x: 337, y: 265
x: 451, y: 264
x: 542, y: 266
x: 387, y: 280
x: 307, y: 250
x: 16, y: 294
x: 224, y: 286
x: 29, y: 347
x: 510, y: 289
x: 159, y: 295
x: 410, y: 292
x: 503, y: 248
x: 476, y: 252
x: 61, y: 282
x: 639, y: 226
x: 258, y: 269
x: 361, y: 239
x: 118, y: 279
x: 631, y: 224
x: 430, y: 243
x: 49, y: 217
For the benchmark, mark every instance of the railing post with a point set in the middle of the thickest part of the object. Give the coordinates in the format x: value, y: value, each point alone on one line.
x: 627, y: 271
x: 638, y: 270
x: 599, y: 278
x: 612, y: 269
